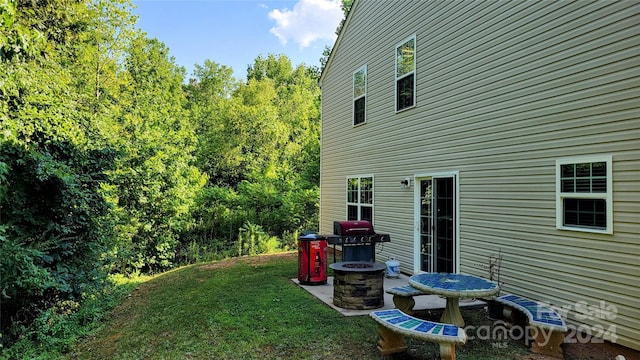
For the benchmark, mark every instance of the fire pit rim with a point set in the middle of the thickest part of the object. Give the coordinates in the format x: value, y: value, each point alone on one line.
x: 373, y: 266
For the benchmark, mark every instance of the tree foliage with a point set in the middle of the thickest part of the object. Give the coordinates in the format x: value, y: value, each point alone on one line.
x: 54, y: 228
x: 260, y: 146
x: 111, y: 163
x: 155, y: 182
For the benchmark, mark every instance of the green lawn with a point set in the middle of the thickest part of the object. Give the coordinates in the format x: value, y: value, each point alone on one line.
x: 247, y: 308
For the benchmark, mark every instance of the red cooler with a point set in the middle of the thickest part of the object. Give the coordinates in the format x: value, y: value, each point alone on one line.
x: 312, y: 259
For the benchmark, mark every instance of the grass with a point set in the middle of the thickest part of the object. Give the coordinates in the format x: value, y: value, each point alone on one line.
x: 249, y: 308
x: 237, y: 309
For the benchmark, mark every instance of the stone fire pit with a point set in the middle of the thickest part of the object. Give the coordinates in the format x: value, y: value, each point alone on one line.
x: 358, y: 285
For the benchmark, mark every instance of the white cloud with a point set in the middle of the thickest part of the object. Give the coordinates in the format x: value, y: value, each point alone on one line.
x: 309, y: 20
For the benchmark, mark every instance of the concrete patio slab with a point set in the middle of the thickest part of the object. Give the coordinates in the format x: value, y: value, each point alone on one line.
x: 424, y: 302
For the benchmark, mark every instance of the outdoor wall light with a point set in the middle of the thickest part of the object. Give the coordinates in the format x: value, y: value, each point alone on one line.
x: 406, y: 183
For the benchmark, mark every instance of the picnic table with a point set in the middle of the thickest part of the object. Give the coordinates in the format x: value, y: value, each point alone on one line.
x: 453, y: 287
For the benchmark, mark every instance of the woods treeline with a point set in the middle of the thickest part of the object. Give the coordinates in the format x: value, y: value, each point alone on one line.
x: 114, y: 161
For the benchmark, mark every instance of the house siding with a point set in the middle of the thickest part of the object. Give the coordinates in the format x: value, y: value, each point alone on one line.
x: 504, y: 89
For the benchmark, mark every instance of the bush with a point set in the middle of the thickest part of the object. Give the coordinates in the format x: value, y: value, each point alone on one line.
x: 56, y: 329
x: 253, y: 240
x: 53, y: 233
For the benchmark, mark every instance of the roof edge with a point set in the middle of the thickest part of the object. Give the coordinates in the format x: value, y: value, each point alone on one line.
x: 347, y: 20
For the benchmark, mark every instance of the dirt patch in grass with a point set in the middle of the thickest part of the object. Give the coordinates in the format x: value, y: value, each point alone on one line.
x: 249, y: 260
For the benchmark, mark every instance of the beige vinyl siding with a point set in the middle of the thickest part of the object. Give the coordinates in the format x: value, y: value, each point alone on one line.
x: 504, y: 89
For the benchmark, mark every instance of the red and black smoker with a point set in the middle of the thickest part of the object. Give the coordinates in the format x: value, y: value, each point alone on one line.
x: 312, y: 259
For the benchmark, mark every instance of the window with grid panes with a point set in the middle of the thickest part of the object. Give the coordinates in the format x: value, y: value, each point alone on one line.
x: 360, y: 198
x: 584, y: 194
x: 360, y: 96
x: 405, y: 74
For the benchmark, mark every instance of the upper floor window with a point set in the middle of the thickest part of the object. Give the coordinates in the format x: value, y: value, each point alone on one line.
x: 359, y: 96
x: 584, y: 200
x: 406, y: 74
x: 360, y: 198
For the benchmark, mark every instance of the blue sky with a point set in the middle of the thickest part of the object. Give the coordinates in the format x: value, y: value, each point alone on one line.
x: 234, y: 32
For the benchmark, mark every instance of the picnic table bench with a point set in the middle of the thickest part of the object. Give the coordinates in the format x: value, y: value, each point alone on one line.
x: 403, y: 297
x: 547, y: 325
x: 394, y: 325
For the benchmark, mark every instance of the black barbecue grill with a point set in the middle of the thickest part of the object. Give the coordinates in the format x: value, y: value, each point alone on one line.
x: 357, y: 239
x: 358, y: 279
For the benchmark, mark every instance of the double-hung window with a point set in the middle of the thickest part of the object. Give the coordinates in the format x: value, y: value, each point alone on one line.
x: 360, y: 198
x: 359, y: 96
x: 584, y: 200
x: 406, y: 74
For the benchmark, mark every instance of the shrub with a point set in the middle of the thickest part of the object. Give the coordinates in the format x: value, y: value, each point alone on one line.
x: 54, y: 231
x: 253, y: 240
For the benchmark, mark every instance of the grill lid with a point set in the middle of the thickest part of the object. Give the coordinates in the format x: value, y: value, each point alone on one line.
x: 351, y: 227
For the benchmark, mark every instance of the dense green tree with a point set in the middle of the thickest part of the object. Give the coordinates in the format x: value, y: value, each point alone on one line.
x: 209, y: 95
x: 98, y: 71
x: 261, y: 149
x: 294, y: 99
x: 54, y: 224
x: 110, y: 163
x: 155, y: 182
x: 17, y: 40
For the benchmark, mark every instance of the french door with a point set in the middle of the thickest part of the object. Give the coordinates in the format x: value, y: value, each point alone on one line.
x: 436, y: 235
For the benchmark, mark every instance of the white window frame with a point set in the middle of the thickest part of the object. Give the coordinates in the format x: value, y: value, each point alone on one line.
x: 413, y: 72
x: 358, y: 97
x: 358, y: 204
x: 606, y: 196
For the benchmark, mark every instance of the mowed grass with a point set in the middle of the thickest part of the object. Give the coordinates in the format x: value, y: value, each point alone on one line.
x: 246, y: 308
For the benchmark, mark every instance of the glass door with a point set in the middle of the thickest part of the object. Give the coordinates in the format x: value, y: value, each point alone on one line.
x: 437, y: 224
x: 444, y: 221
x: 426, y: 225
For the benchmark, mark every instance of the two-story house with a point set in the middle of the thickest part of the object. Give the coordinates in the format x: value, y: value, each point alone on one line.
x: 465, y: 129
